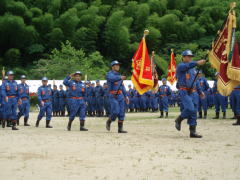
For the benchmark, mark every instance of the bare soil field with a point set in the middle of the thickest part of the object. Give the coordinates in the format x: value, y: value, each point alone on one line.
x: 152, y: 150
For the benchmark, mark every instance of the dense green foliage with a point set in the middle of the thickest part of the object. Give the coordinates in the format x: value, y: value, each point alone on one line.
x: 55, y: 37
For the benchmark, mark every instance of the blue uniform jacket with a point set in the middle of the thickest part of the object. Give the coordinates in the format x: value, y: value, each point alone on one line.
x: 76, y: 89
x: 9, y: 88
x: 115, y: 83
x: 44, y: 93
x: 23, y: 90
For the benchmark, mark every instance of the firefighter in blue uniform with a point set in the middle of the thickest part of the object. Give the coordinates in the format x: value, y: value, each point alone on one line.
x: 62, y: 103
x: 130, y: 96
x: 236, y: 104
x: 163, y: 92
x: 44, y: 94
x: 1, y: 101
x: 143, y: 102
x: 10, y: 101
x: 88, y: 100
x: 136, y: 100
x: 219, y: 100
x: 24, y: 107
x: 55, y: 102
x: 99, y: 99
x: 117, y: 96
x: 106, y: 102
x: 94, y: 100
x: 188, y: 93
x: 203, y: 101
x: 77, y: 99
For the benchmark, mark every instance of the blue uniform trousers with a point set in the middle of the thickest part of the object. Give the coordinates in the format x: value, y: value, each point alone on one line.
x: 163, y: 104
x: 203, y: 105
x: 99, y: 104
x: 143, y: 102
x: 219, y: 100
x: 77, y: 107
x: 10, y: 109
x: 190, y: 107
x: 117, y: 107
x: 24, y: 109
x: 131, y: 103
x: 46, y: 109
x: 61, y: 104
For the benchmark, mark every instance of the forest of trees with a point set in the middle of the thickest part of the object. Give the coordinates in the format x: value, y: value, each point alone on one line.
x: 55, y: 37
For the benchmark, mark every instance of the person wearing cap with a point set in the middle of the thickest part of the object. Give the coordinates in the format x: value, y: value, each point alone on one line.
x: 89, y: 97
x: 106, y: 102
x: 10, y: 101
x: 188, y: 91
x: 219, y: 100
x: 203, y: 101
x: 99, y: 99
x: 77, y: 99
x: 164, y: 92
x: 44, y: 94
x: 62, y: 103
x: 24, y: 105
x: 55, y: 101
x: 130, y: 96
x: 117, y: 96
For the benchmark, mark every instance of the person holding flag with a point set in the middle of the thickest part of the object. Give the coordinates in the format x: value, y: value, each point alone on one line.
x: 188, y: 89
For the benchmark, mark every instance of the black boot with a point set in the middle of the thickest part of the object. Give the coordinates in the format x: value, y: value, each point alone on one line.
x: 161, y: 115
x: 200, y: 115
x: 205, y: 114
x: 69, y: 126
x: 217, y: 116
x: 26, y: 121
x: 108, y: 124
x: 178, y: 122
x: 82, y: 128
x: 14, y: 125
x: 120, y: 128
x: 166, y: 115
x: 193, y: 133
x: 37, y: 123
x: 235, y: 116
x: 224, y: 115
x: 237, y: 123
x: 3, y: 123
x: 9, y: 123
x: 47, y: 124
x: 18, y: 118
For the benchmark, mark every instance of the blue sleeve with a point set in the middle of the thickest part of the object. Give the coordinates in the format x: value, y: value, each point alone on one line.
x: 67, y: 81
x: 113, y: 78
x: 3, y: 90
x: 198, y: 87
x: 124, y: 91
x: 169, y: 91
x: 39, y: 94
x: 187, y: 66
x: 18, y: 92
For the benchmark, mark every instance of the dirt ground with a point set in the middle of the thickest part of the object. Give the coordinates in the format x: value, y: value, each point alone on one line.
x: 152, y: 150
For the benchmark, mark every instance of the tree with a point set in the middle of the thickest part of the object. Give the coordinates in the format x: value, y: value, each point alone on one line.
x: 68, y: 60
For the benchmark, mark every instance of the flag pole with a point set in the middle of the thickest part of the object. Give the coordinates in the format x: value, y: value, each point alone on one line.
x: 3, y: 73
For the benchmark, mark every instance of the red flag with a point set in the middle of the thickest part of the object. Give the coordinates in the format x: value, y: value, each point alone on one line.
x: 172, y: 69
x: 142, y: 76
x: 223, y: 50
